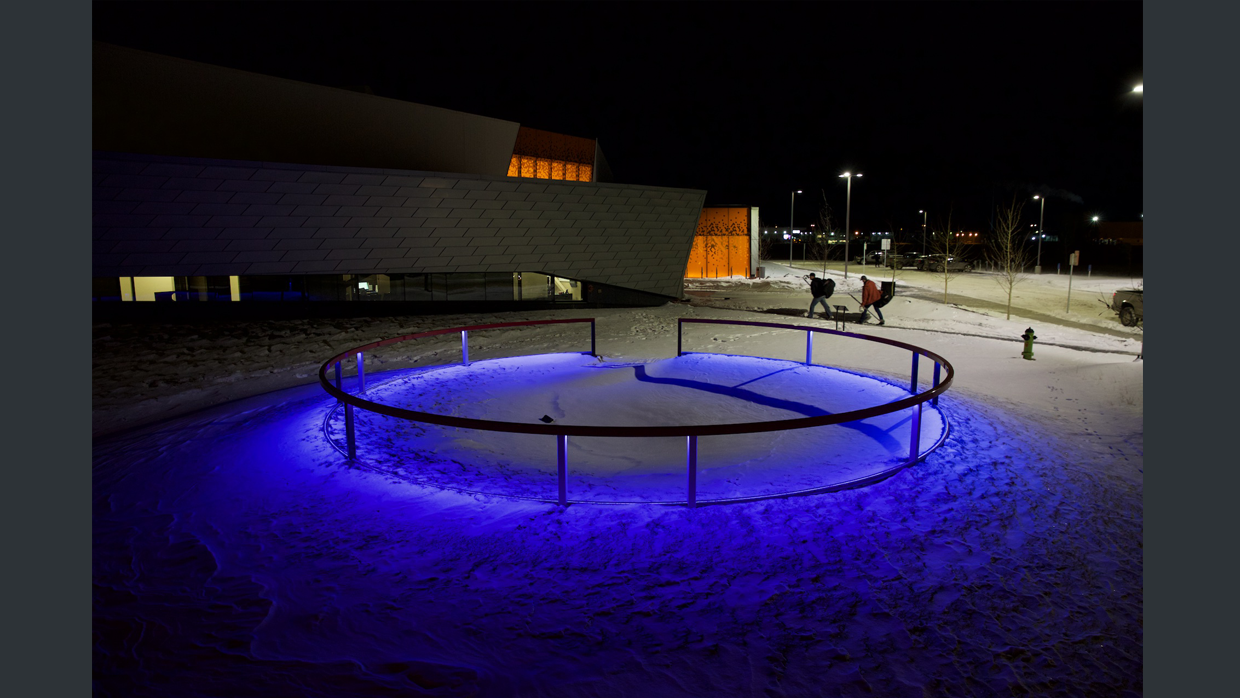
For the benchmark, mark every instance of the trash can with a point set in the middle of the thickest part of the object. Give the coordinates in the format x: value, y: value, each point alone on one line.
x: 888, y: 292
x: 761, y: 272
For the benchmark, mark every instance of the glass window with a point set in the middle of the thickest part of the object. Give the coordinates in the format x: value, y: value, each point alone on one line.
x: 320, y: 287
x: 437, y: 285
x: 557, y: 169
x: 544, y: 169
x: 501, y: 286
x: 527, y: 166
x: 567, y: 289
x: 514, y: 166
x: 376, y: 287
x: 466, y: 287
x: 416, y: 287
x: 146, y: 287
x: 570, y: 171
x: 533, y: 286
x: 106, y: 288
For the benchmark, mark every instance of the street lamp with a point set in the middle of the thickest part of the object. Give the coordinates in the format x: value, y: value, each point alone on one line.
x: 791, y: 208
x: 1037, y: 267
x: 847, y: 218
x: 923, y: 233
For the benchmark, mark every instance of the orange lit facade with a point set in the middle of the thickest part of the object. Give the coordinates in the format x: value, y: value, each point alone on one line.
x: 546, y: 155
x: 724, y: 243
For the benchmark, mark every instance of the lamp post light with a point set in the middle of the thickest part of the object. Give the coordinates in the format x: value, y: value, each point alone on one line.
x: 1037, y: 266
x: 791, y: 209
x: 848, y: 218
x: 923, y: 233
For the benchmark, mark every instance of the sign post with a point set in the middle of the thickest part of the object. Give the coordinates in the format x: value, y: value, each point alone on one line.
x: 1073, y: 260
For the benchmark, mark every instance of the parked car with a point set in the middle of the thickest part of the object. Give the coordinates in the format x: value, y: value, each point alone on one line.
x: 1127, y: 302
x: 899, y: 261
x: 942, y: 262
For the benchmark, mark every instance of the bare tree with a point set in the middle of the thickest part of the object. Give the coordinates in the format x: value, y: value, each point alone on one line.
x: 764, y: 242
x: 948, y: 248
x: 1008, y: 251
x: 893, y: 256
x: 827, y: 225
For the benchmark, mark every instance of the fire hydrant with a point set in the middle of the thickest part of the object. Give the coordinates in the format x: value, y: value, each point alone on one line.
x: 1028, y: 336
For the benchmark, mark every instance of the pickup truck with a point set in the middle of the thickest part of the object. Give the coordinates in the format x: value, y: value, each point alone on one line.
x: 1127, y: 302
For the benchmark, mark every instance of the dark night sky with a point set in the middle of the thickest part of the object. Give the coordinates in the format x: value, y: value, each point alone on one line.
x: 940, y: 105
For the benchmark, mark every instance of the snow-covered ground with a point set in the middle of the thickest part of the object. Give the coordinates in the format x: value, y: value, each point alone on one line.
x: 236, y: 553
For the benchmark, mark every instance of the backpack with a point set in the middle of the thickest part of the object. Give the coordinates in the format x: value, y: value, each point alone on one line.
x: 828, y: 287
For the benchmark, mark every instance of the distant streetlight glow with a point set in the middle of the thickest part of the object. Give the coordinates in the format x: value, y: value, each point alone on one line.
x: 847, y: 217
x: 1037, y: 267
x: 923, y: 231
x: 792, y: 208
x: 1139, y: 89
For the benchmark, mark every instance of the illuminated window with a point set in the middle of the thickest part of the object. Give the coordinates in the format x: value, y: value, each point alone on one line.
x: 146, y: 287
x: 547, y: 168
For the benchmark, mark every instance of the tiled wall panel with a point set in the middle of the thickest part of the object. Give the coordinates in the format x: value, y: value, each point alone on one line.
x: 164, y: 216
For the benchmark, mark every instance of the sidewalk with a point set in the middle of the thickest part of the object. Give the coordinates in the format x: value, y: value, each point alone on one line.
x: 1040, y: 299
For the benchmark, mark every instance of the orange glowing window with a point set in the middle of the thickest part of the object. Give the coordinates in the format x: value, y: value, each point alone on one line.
x: 514, y: 166
x: 584, y: 172
x: 557, y: 169
x: 527, y: 166
x: 570, y: 171
x: 544, y: 169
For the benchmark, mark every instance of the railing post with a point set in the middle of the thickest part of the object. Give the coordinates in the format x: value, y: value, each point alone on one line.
x: 350, y: 435
x: 680, y: 326
x: 935, y: 400
x: 465, y: 347
x: 912, y: 388
x: 691, y: 466
x: 339, y: 379
x: 809, y: 347
x: 561, y: 467
x: 361, y: 373
x: 593, y: 345
x: 915, y: 447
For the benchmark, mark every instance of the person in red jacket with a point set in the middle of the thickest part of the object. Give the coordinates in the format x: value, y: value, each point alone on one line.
x: 869, y: 296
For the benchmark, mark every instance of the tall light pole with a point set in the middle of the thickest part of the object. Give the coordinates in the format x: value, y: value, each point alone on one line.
x: 791, y: 208
x: 848, y: 219
x: 923, y: 233
x: 1037, y: 267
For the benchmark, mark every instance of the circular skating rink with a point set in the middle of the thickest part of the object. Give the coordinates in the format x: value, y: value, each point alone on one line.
x: 581, y: 390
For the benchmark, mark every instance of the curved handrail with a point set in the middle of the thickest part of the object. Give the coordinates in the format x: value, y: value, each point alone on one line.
x: 635, y: 431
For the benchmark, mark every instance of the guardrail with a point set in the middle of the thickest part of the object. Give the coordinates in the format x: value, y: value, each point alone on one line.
x: 561, y: 432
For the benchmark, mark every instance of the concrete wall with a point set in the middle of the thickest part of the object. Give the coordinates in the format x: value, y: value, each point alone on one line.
x: 148, y: 103
x: 166, y: 216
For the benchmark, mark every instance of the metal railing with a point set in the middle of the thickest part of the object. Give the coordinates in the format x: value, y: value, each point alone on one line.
x: 561, y: 432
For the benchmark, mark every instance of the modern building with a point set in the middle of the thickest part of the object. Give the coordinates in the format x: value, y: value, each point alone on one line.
x: 725, y: 243
x: 214, y: 184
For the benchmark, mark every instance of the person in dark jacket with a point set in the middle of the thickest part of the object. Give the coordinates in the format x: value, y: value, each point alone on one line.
x: 821, y: 289
x: 869, y: 296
